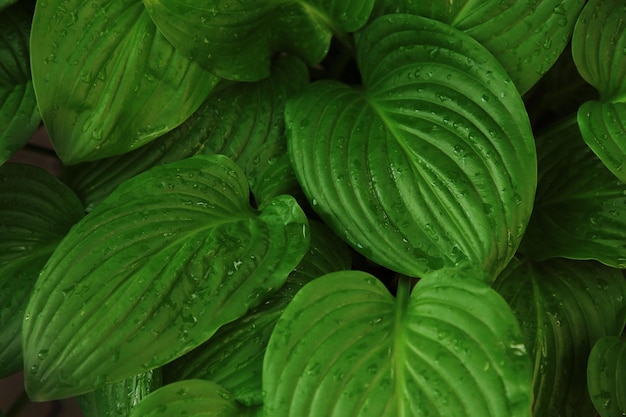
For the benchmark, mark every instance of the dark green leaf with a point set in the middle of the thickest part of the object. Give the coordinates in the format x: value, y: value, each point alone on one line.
x: 563, y: 307
x: 152, y: 272
x: 233, y: 357
x: 19, y: 116
x: 432, y: 165
x: 606, y: 376
x: 36, y: 211
x: 120, y: 398
x: 345, y: 347
x: 106, y: 80
x: 235, y: 39
x: 579, y: 209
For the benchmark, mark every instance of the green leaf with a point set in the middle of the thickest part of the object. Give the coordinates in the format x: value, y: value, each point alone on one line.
x: 192, y: 398
x: 120, y: 398
x: 346, y: 347
x: 579, y: 209
x: 235, y: 39
x: 563, y: 307
x: 527, y: 37
x: 4, y: 4
x: 433, y: 165
x: 599, y: 47
x: 152, y: 272
x: 233, y: 357
x: 606, y: 376
x: 105, y: 79
x: 36, y: 212
x: 19, y: 116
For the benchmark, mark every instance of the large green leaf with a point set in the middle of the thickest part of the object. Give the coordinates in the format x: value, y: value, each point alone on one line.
x: 606, y: 376
x: 36, y: 212
x: 233, y: 357
x: 106, y: 80
x: 345, y: 347
x: 235, y: 39
x: 432, y: 164
x: 564, y: 307
x: 579, y: 209
x: 527, y: 37
x: 243, y: 121
x: 19, y: 116
x: 152, y: 272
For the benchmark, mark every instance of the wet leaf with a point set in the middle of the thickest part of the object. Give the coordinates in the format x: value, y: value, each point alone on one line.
x: 606, y: 376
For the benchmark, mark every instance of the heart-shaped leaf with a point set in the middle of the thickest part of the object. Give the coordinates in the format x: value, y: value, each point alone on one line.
x: 432, y: 165
x: 235, y: 39
x: 152, y: 272
x: 106, y: 80
x: 563, y: 307
x: 36, y: 211
x: 233, y: 357
x: 579, y: 209
x: 606, y: 376
x: 19, y: 116
x: 345, y: 347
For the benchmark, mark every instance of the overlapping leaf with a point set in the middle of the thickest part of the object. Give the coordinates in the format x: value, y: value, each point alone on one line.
x: 606, y: 376
x: 233, y: 357
x: 345, y: 347
x: 153, y: 272
x: 432, y: 165
x: 564, y: 307
x: 106, y: 80
x: 579, y: 210
x: 19, y: 116
x: 235, y: 39
x: 36, y: 211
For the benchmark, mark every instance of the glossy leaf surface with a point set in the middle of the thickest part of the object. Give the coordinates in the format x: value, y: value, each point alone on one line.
x: 19, y: 116
x: 606, y: 376
x: 563, y: 307
x: 153, y: 272
x: 106, y: 80
x: 345, y: 347
x: 36, y: 212
x: 432, y: 165
x: 235, y: 39
x: 233, y: 357
x: 579, y: 209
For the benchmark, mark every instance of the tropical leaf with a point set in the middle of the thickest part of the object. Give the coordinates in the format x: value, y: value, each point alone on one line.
x: 235, y: 39
x: 432, y: 165
x: 120, y: 398
x: 36, y: 212
x: 346, y: 347
x: 233, y: 357
x: 563, y: 307
x: 152, y: 272
x: 606, y: 376
x: 106, y: 81
x: 19, y: 116
x: 579, y: 209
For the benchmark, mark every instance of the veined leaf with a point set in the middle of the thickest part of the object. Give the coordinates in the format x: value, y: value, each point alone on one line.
x: 598, y: 47
x: 433, y: 165
x: 193, y: 398
x: 235, y: 39
x: 106, y: 80
x: 345, y: 347
x: 564, y: 307
x: 527, y: 37
x: 152, y: 272
x: 606, y: 376
x: 579, y: 209
x: 19, y: 116
x: 120, y: 398
x: 233, y: 357
x: 36, y: 211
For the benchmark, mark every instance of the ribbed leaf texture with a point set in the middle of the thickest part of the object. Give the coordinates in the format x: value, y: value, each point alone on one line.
x: 606, y: 376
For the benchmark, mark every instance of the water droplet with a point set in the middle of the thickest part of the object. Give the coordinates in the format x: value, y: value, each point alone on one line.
x: 42, y: 354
